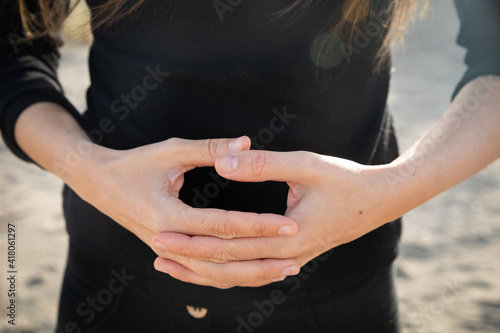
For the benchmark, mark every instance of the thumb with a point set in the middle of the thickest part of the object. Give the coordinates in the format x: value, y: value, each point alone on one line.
x: 259, y: 166
x: 201, y: 153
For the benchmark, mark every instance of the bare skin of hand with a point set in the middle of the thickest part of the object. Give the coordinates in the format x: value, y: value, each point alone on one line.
x: 334, y: 201
x: 139, y: 189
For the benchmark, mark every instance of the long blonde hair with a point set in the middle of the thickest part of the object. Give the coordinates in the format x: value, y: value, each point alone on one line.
x: 47, y: 18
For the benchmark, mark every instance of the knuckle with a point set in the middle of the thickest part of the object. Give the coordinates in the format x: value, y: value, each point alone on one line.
x: 311, y: 161
x: 183, y: 251
x: 212, y: 147
x: 306, y: 158
x: 259, y: 228
x: 173, y: 141
x: 221, y: 255
x: 258, y: 162
x: 225, y: 229
x: 225, y: 285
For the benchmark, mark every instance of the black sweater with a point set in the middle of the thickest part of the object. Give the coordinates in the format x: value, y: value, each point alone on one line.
x: 203, y: 69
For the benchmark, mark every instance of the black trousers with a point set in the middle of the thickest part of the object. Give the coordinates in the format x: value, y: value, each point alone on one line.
x: 98, y: 297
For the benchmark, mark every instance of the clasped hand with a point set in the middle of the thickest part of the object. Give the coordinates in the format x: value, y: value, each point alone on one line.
x: 333, y: 201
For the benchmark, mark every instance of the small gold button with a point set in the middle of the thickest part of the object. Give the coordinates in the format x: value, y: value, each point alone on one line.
x: 196, y: 312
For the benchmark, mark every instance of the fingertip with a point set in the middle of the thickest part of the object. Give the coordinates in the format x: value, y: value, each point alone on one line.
x: 291, y: 270
x: 241, y: 143
x: 159, y: 266
x: 159, y: 247
x: 281, y: 278
x: 246, y: 143
x: 288, y: 230
x: 285, y: 225
x: 293, y: 226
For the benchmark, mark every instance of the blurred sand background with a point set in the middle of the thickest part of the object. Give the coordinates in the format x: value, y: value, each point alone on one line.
x: 449, y: 268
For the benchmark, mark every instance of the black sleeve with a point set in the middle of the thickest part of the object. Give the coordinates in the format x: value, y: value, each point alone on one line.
x: 480, y: 35
x: 27, y: 74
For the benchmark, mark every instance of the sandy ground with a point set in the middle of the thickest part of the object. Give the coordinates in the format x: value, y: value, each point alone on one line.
x: 449, y: 268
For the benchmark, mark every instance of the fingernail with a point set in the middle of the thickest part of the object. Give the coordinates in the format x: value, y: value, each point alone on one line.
x: 160, y: 268
x: 286, y: 230
x: 292, y: 270
x: 235, y: 144
x: 279, y: 279
x: 159, y: 245
x: 228, y: 163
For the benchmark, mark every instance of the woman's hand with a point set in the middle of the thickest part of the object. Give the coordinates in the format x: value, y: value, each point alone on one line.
x: 334, y: 201
x: 139, y: 189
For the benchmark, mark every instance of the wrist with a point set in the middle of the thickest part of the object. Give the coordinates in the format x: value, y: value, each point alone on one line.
x: 387, y: 193
x: 83, y: 167
x: 400, y: 181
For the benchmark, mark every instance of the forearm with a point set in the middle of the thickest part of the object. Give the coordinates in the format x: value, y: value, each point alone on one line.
x: 465, y: 140
x: 53, y: 139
